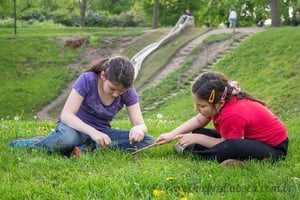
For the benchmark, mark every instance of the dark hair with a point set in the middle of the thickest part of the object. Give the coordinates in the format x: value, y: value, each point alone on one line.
x: 210, y: 86
x: 117, y: 69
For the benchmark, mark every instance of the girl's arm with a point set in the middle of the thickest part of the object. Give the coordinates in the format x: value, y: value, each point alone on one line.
x: 139, y: 129
x: 204, y: 140
x: 68, y: 117
x: 198, y: 121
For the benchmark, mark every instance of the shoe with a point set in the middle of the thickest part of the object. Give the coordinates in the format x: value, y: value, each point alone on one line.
x: 23, y: 143
x: 178, y: 148
x: 232, y: 162
x: 76, y: 151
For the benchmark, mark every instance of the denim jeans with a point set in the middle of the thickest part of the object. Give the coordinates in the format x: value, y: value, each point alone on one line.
x: 64, y: 138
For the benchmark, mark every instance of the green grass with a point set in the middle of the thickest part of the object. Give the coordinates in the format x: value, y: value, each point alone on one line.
x: 115, y: 175
x: 217, y: 38
x: 29, y: 68
x: 266, y: 65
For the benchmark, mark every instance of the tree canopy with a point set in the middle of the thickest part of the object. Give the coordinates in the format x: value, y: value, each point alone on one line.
x: 140, y: 12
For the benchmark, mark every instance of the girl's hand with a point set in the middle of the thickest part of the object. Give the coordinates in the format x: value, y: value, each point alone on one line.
x: 164, y: 138
x: 188, y: 139
x: 102, y: 139
x: 136, y: 134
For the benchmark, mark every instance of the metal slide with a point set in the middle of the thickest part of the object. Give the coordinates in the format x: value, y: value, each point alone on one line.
x: 137, y: 60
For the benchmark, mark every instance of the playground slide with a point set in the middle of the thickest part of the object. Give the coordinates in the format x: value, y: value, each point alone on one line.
x: 137, y: 60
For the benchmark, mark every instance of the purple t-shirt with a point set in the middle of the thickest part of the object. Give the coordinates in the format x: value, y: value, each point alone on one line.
x: 92, y: 111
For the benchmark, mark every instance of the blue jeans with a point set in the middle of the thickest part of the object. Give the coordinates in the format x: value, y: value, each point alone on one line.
x: 64, y: 138
x: 232, y: 22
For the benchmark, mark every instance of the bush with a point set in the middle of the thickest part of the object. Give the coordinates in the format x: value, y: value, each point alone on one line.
x: 7, y: 23
x: 95, y: 19
x: 33, y: 16
x: 125, y: 19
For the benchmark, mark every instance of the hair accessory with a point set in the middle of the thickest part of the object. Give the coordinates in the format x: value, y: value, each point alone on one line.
x: 235, y: 87
x: 105, y: 73
x: 212, y: 96
x: 224, y: 94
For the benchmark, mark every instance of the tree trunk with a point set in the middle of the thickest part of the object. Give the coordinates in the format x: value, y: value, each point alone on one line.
x: 155, y: 15
x: 82, y: 13
x: 275, y: 13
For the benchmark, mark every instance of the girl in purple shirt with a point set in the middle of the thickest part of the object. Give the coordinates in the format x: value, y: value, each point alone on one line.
x: 97, y: 96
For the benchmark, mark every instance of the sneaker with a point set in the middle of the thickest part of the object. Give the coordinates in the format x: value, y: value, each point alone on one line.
x: 23, y: 143
x: 232, y: 162
x: 178, y: 148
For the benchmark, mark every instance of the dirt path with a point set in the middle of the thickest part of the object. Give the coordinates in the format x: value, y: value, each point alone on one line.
x: 51, y: 111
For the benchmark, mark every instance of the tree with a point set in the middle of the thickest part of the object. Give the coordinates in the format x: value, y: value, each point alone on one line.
x: 170, y: 10
x: 155, y: 14
x: 275, y: 13
x: 82, y: 13
x: 115, y: 7
x: 5, y: 8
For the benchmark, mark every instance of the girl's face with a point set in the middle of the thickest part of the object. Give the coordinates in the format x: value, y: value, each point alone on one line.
x: 205, y: 108
x: 112, y: 89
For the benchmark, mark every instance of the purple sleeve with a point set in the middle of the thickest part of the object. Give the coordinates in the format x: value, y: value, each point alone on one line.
x: 130, y: 97
x: 80, y: 85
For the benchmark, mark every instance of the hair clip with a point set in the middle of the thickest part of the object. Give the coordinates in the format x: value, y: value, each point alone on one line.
x: 224, y: 94
x: 236, y: 89
x: 107, y: 70
x: 212, y: 96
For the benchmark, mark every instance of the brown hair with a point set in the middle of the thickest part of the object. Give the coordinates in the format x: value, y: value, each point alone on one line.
x: 117, y: 69
x: 215, y: 83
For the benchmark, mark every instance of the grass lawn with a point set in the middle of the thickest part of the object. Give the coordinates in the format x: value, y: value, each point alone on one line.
x: 267, y: 65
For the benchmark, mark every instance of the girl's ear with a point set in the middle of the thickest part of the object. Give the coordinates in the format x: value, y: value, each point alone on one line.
x: 221, y: 103
x: 103, y: 75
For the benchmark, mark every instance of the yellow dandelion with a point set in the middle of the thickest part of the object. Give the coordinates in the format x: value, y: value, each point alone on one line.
x: 191, y: 195
x: 170, y: 178
x: 157, y: 193
x: 183, y: 198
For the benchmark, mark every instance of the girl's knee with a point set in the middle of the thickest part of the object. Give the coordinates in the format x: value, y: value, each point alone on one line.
x: 149, y: 139
x: 64, y: 137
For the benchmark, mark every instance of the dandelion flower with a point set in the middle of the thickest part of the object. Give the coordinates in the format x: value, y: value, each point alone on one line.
x: 159, y: 116
x: 191, y: 195
x: 183, y: 198
x: 170, y: 178
x: 295, y: 179
x: 157, y: 193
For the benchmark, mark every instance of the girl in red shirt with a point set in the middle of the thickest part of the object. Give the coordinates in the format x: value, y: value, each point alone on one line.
x: 244, y: 127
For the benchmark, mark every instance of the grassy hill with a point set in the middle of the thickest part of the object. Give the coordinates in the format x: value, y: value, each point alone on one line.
x: 35, y: 65
x: 267, y: 65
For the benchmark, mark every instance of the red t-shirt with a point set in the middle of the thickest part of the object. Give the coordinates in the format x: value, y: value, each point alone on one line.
x: 250, y: 120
